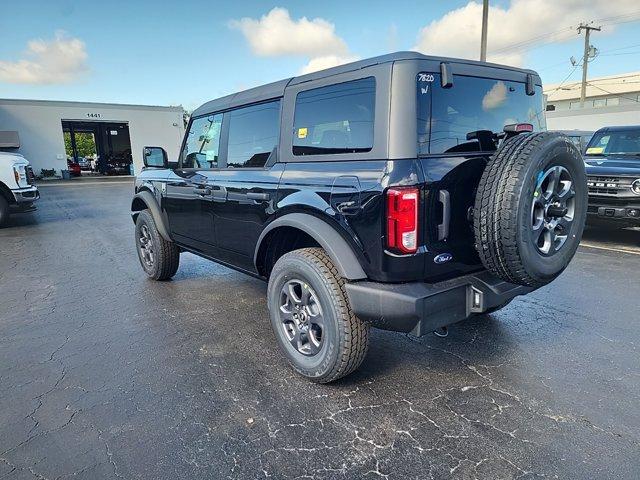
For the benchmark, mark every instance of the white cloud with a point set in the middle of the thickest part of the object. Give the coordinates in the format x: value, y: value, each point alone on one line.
x: 276, y: 33
x: 457, y: 33
x: 59, y: 60
x: 328, y: 61
x: 494, y: 97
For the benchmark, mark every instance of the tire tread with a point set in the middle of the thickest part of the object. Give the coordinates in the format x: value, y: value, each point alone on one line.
x: 167, y: 253
x: 496, y: 208
x: 354, y: 331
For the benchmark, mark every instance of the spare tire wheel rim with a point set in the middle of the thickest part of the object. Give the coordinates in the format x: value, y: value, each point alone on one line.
x: 552, y: 210
x: 301, y: 317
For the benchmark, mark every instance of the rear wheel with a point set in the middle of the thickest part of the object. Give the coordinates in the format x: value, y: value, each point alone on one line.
x: 311, y: 318
x: 159, y: 258
x: 530, y: 208
x: 4, y: 210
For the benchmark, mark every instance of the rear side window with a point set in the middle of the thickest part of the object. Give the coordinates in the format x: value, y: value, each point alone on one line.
x: 202, y: 143
x: 253, y: 134
x: 335, y: 119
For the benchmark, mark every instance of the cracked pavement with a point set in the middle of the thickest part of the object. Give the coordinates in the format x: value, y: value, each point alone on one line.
x: 105, y: 374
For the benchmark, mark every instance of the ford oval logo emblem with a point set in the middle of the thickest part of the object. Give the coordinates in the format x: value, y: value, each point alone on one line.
x: 443, y: 258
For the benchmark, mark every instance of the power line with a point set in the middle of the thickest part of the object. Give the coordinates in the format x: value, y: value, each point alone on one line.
x: 532, y: 40
x: 551, y: 66
x: 544, y: 39
x: 622, y: 48
x: 619, y: 17
x: 612, y: 93
x: 618, y: 54
x: 575, y: 67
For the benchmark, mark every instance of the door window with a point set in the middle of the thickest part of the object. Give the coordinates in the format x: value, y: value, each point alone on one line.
x: 203, y: 142
x: 335, y: 119
x: 253, y: 134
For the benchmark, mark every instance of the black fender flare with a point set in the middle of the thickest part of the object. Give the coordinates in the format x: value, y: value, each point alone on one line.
x: 146, y: 197
x: 329, y: 239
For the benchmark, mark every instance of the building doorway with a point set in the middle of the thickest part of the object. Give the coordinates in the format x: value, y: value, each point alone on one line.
x: 97, y: 147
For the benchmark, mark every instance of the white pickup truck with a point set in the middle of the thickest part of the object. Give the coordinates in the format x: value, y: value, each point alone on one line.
x: 17, y: 191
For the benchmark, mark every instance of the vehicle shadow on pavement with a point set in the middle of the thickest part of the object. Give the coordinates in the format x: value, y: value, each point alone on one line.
x: 20, y: 220
x: 623, y: 237
x: 479, y: 340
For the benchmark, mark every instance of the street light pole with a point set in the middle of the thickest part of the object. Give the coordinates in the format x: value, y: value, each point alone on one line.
x: 483, y: 39
x: 585, y: 59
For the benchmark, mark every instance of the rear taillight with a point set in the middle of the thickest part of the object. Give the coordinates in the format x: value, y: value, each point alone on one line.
x: 402, y: 219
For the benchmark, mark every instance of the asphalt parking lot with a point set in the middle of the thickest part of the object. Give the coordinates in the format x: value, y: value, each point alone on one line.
x: 105, y: 374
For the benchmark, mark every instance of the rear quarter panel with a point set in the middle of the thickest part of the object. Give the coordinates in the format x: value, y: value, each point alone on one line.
x: 324, y: 189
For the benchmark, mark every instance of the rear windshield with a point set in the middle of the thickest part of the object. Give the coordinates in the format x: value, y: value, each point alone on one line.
x: 447, y: 116
x: 615, y: 142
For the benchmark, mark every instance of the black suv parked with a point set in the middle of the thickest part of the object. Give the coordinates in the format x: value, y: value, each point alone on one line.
x: 393, y: 192
x: 613, y: 174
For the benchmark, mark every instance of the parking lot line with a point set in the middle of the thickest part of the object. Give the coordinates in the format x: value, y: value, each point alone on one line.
x: 599, y: 247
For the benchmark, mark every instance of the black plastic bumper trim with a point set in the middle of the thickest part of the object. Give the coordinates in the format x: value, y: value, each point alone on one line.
x: 421, y: 308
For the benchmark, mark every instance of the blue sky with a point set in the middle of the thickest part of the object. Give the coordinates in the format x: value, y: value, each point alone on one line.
x: 191, y: 51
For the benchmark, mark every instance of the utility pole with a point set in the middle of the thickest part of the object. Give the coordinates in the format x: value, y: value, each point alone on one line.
x: 585, y: 59
x: 483, y: 39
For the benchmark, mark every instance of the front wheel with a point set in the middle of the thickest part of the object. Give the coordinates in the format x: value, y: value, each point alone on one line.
x: 159, y: 258
x: 312, y: 319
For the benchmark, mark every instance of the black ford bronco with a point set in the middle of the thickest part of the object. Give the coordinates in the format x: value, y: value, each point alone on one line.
x: 404, y: 192
x: 612, y: 163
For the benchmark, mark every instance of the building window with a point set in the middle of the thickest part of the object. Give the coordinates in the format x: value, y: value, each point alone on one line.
x: 613, y: 101
x: 335, y: 119
x: 551, y: 107
x: 599, y: 102
x: 253, y: 134
x: 574, y: 105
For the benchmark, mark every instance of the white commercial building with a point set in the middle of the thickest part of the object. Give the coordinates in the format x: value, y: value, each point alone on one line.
x: 611, y: 100
x: 119, y: 132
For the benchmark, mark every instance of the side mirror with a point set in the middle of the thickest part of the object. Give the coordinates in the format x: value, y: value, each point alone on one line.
x: 155, y: 157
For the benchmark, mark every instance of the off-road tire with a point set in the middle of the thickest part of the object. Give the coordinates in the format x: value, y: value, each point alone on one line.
x: 4, y: 211
x: 166, y: 253
x: 345, y: 336
x: 504, y: 202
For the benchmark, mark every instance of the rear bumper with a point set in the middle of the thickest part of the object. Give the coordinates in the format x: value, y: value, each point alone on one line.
x: 420, y: 308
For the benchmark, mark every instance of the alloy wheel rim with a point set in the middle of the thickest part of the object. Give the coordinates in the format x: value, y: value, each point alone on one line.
x: 301, y: 317
x: 146, y: 246
x: 553, y: 210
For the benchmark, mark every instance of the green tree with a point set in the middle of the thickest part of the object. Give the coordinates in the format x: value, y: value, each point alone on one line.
x: 85, y: 143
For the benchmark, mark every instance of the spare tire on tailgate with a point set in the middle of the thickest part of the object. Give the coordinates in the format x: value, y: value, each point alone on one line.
x: 530, y: 208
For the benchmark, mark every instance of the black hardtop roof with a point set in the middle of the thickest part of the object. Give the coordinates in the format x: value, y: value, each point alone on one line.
x: 276, y: 89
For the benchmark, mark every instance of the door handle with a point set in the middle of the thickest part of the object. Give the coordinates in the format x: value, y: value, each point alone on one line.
x: 348, y: 208
x: 204, y: 191
x: 258, y: 196
x: 443, y: 228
